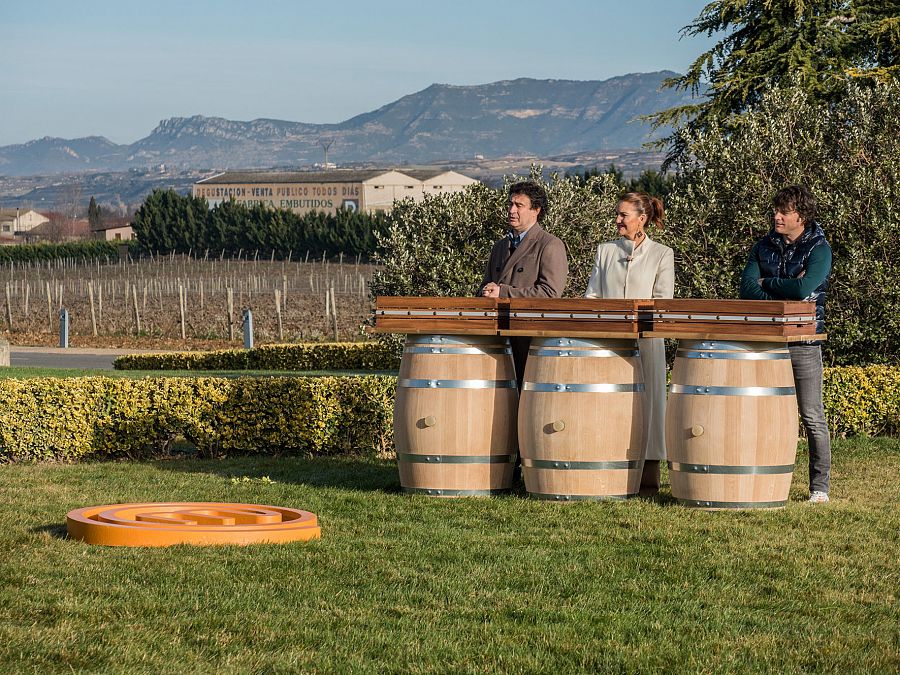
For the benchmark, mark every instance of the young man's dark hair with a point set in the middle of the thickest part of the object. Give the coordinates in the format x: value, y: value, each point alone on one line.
x: 797, y: 198
x: 535, y: 193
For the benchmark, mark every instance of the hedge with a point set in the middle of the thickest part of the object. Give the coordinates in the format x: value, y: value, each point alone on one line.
x: 98, y: 417
x: 863, y: 399
x: 77, y: 250
x: 306, y: 356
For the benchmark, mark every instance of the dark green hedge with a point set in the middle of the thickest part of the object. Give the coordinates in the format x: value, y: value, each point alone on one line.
x: 76, y: 250
x: 167, y: 221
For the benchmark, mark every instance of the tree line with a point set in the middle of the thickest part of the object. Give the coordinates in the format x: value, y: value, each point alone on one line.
x: 651, y: 181
x: 167, y: 221
x: 73, y: 250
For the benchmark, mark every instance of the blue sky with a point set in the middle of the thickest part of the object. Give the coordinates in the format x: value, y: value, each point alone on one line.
x: 116, y: 68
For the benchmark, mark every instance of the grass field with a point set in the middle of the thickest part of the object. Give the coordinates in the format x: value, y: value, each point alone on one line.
x: 413, y: 584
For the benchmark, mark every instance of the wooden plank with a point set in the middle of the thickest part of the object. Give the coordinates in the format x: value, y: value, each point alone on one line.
x: 751, y: 326
x: 449, y: 326
x: 536, y: 327
x: 571, y: 305
x: 598, y: 334
x: 587, y: 317
x: 547, y: 317
x: 706, y: 319
x: 470, y: 321
x: 719, y: 335
x: 734, y: 327
x: 752, y: 307
x: 431, y: 330
x: 408, y: 302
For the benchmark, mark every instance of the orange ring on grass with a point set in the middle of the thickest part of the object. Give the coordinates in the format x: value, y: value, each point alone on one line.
x: 198, y: 523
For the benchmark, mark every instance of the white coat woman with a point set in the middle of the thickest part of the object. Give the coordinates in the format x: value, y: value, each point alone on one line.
x: 635, y: 266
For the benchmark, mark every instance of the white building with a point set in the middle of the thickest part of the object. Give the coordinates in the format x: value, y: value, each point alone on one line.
x: 13, y: 221
x: 373, y: 190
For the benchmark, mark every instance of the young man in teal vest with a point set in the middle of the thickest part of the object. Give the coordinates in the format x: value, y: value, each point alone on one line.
x: 793, y: 262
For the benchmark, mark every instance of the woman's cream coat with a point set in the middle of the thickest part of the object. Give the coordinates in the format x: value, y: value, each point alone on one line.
x: 621, y: 271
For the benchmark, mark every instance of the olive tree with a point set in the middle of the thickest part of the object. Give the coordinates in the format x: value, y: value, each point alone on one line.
x: 848, y: 153
x: 440, y: 246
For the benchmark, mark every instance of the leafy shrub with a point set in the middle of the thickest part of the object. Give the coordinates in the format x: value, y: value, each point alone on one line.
x: 440, y: 246
x: 97, y: 417
x: 309, y: 356
x: 863, y: 400
x: 78, y: 250
x: 848, y: 153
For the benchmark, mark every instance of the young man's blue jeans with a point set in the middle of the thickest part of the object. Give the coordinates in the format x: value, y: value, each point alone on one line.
x: 806, y: 360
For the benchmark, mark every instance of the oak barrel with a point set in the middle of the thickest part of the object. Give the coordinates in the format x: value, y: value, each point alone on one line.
x: 731, y: 424
x: 581, y: 419
x: 455, y: 415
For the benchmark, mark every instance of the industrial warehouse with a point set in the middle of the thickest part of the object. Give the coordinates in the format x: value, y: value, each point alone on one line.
x: 372, y: 190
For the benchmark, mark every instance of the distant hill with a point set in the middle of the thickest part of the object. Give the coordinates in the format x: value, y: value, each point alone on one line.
x: 59, y: 155
x: 440, y: 123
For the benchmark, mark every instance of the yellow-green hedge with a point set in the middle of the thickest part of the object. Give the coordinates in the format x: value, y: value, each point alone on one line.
x: 863, y: 399
x: 74, y: 418
x: 305, y: 356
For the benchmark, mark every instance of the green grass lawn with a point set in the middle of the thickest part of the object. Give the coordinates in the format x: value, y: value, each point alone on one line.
x: 412, y: 584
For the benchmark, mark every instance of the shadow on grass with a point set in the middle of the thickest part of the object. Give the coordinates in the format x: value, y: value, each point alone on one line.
x: 662, y: 498
x: 338, y: 472
x: 57, y: 531
x: 350, y: 473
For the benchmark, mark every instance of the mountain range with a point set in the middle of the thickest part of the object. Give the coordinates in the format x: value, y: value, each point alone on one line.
x: 523, y: 117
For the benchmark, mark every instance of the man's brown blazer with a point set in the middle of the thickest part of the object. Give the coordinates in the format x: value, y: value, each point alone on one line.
x: 536, y: 269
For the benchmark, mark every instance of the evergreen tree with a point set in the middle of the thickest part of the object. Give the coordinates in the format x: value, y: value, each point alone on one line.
x: 652, y: 182
x: 583, y: 177
x: 95, y: 218
x: 848, y: 153
x: 811, y: 44
x: 168, y: 221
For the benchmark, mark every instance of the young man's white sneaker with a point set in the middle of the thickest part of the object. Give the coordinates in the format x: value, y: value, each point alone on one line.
x: 818, y: 497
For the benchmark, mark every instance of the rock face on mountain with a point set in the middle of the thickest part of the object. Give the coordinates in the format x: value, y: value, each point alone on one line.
x: 442, y: 122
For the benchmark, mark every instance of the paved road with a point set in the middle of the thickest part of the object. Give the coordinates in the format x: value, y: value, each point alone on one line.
x: 73, y: 357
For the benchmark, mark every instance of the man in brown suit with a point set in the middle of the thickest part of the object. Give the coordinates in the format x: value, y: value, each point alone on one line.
x: 528, y: 262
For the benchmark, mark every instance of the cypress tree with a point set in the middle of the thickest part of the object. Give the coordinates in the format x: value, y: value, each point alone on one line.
x: 95, y: 218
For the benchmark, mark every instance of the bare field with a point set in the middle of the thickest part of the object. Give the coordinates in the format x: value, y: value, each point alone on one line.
x: 177, y: 302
